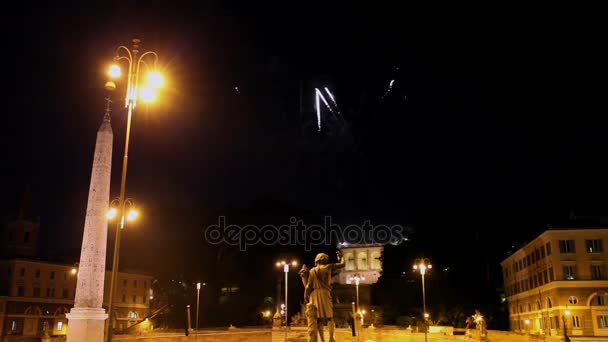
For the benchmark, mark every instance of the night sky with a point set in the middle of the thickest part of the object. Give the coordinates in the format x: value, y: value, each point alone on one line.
x: 489, y: 133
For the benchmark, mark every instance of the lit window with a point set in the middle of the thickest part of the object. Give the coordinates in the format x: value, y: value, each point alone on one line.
x: 14, y: 326
x: 132, y: 315
x: 362, y: 261
x: 569, y: 272
x: 600, y: 300
x: 572, y: 300
x: 59, y: 326
x: 576, y: 322
x: 593, y: 246
x: 350, y: 262
x: 376, y: 263
x: 602, y: 322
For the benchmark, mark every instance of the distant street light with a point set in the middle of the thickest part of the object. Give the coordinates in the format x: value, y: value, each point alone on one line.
x: 147, y: 93
x: 198, y: 293
x: 421, y: 265
x: 285, y: 265
x: 566, y: 314
x: 357, y: 279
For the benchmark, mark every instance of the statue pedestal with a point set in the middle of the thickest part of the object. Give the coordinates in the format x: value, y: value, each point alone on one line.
x: 86, y: 324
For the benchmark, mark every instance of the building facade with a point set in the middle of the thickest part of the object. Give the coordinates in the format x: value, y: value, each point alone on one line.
x: 558, y: 284
x: 35, y: 295
x: 364, y: 261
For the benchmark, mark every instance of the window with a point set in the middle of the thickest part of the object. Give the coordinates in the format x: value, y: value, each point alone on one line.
x: 566, y: 246
x: 132, y: 315
x: 22, y: 272
x: 542, y: 252
x: 528, y: 260
x: 572, y: 300
x: 376, y: 263
x: 52, y: 274
x: 134, y: 299
x: 143, y: 299
x: 602, y: 322
x: 36, y: 292
x: 350, y: 262
x: 124, y: 298
x: 548, y: 246
x: 596, y: 272
x: 537, y: 253
x: 569, y: 272
x: 593, y: 246
x: 134, y: 283
x: 551, y: 277
x: 37, y: 273
x: 14, y: 326
x: 64, y: 294
x: 554, y: 322
x: 546, y: 276
x: 535, y: 281
x: 362, y: 261
x: 20, y: 291
x: 600, y: 300
x: 124, y: 283
x: 549, y: 303
x: 48, y: 291
x: 576, y: 321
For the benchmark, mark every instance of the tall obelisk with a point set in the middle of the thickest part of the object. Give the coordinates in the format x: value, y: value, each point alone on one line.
x: 87, y: 317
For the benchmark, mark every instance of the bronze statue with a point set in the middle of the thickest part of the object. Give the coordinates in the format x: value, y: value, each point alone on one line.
x: 317, y: 295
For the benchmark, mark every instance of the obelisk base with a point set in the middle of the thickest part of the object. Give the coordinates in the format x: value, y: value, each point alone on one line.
x: 86, y: 324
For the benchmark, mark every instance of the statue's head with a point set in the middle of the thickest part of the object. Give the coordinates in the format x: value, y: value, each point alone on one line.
x: 322, y: 259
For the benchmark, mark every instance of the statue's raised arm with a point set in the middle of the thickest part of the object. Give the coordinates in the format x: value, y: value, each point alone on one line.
x: 341, y: 261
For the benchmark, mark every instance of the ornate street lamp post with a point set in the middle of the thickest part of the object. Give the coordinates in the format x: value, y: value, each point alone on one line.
x: 146, y: 93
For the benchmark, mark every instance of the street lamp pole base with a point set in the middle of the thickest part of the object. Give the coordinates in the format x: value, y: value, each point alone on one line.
x: 86, y: 324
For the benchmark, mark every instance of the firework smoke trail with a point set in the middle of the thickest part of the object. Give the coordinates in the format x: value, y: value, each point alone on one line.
x: 390, y: 87
x: 320, y: 94
x: 331, y: 96
x: 318, y: 105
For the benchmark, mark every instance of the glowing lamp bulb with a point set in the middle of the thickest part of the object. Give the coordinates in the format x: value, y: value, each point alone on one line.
x: 73, y: 270
x: 111, y: 213
x: 132, y: 215
x: 114, y: 71
x: 294, y: 263
x: 155, y: 79
x: 147, y: 94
